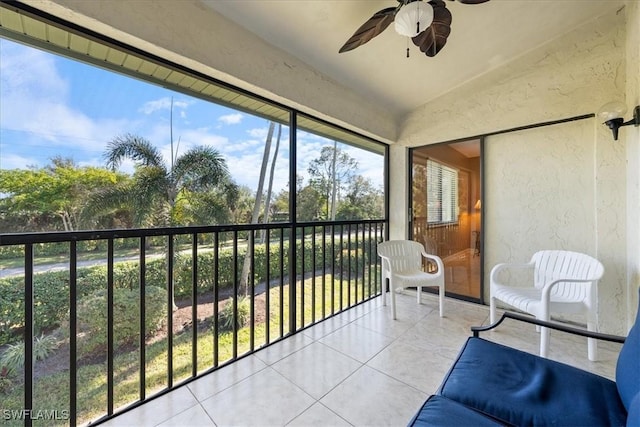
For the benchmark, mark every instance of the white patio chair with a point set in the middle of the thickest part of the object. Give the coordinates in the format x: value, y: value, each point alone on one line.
x: 563, y: 282
x: 402, y: 265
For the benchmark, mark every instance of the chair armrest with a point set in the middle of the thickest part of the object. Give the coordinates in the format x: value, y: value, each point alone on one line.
x: 498, y: 268
x: 546, y: 289
x: 385, y: 264
x: 434, y: 258
x: 552, y: 325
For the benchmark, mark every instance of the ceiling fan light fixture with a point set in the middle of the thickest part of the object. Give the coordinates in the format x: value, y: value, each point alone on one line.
x: 413, y: 18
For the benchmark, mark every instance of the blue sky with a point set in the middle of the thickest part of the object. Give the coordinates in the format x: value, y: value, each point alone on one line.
x: 51, y: 106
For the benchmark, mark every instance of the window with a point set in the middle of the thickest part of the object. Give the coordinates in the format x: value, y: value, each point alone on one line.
x: 89, y: 101
x: 442, y: 193
x: 339, y: 174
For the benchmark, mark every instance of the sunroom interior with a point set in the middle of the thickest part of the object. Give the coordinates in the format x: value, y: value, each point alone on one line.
x: 511, y: 103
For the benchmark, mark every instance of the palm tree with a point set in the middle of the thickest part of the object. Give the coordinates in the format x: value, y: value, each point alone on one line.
x: 157, y: 187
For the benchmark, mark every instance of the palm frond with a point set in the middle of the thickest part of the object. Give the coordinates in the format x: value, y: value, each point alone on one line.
x: 135, y: 148
x: 151, y: 181
x: 199, y: 168
x: 106, y: 201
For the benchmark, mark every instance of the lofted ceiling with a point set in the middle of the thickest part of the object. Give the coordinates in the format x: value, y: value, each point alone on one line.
x: 483, y: 37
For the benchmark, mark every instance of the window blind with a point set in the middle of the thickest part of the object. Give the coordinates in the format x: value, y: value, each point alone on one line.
x: 442, y: 193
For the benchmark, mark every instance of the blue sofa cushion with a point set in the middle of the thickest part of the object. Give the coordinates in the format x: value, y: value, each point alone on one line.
x: 440, y: 411
x: 633, y: 417
x: 523, y: 389
x: 628, y: 366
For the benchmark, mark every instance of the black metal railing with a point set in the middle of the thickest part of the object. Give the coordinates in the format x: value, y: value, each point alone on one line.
x: 140, y: 312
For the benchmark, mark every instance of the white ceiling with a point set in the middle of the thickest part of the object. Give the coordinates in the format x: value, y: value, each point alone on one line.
x: 483, y: 37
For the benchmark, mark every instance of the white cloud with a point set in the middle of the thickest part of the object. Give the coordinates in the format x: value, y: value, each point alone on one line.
x: 24, y: 71
x: 155, y: 105
x: 14, y: 161
x: 245, y: 169
x: 35, y: 106
x: 94, y: 162
x: 259, y: 133
x: 231, y: 119
x: 163, y: 104
x: 218, y: 142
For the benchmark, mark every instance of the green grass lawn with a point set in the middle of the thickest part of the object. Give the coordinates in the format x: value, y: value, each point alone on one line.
x: 52, y: 391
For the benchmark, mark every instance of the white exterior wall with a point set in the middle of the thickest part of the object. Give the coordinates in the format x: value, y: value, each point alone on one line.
x: 561, y: 186
x: 631, y: 137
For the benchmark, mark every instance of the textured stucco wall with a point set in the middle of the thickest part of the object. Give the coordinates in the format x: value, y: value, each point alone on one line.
x: 558, y: 187
x: 397, y: 194
x: 631, y: 137
x: 569, y: 76
x: 561, y: 186
x: 217, y: 47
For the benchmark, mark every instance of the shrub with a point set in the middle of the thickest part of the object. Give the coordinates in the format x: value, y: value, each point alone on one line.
x: 92, y: 317
x: 352, y: 261
x: 62, y: 248
x: 51, y: 290
x: 50, y: 301
x: 13, y: 357
x: 5, y: 382
x: 227, y: 317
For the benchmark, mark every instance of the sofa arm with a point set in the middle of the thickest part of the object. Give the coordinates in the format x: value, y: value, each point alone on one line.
x: 552, y: 325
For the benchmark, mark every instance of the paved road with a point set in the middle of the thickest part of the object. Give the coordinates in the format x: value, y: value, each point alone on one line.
x: 62, y: 266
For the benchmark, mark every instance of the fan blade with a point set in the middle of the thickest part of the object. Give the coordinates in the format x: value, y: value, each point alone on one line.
x: 373, y: 27
x: 432, y: 40
x: 473, y: 1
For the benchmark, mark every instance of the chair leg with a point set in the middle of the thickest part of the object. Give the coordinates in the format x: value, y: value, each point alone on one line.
x: 393, y: 301
x: 385, y: 286
x: 592, y: 344
x: 492, y: 310
x: 419, y: 296
x: 544, y: 341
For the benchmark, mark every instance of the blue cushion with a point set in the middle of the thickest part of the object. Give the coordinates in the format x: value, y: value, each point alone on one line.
x: 440, y: 411
x: 628, y: 367
x: 524, y: 389
x: 633, y: 417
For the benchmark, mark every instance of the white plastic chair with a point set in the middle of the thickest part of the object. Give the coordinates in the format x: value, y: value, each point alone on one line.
x: 402, y: 265
x: 563, y: 282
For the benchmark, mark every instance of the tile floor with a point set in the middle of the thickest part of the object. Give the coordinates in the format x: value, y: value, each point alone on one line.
x: 360, y: 368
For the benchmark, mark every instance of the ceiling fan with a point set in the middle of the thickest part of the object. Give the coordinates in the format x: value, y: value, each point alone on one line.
x: 427, y: 23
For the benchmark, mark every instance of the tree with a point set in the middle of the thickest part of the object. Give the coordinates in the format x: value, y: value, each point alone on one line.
x: 158, y: 187
x: 329, y: 173
x: 309, y: 203
x: 52, y: 198
x: 159, y: 193
x: 217, y: 205
x: 267, y: 202
x: 280, y: 206
x: 244, y: 277
x: 362, y: 201
x: 242, y: 206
